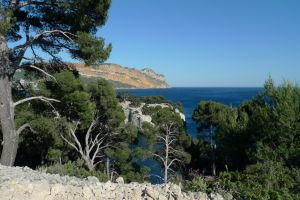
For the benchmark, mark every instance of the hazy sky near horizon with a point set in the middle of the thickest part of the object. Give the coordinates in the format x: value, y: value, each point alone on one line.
x: 207, y: 42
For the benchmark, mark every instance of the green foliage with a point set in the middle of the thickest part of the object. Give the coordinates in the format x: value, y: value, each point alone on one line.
x: 257, y: 143
x: 121, y: 155
x: 35, y: 145
x: 212, y: 114
x: 134, y: 101
x: 201, y: 158
x: 4, y: 23
x: 150, y: 110
x: 267, y: 180
x: 75, y: 102
x: 154, y: 99
x: 167, y: 126
x: 107, y: 104
x: 79, y: 20
x: 166, y: 116
x: 116, y: 84
x: 91, y: 49
x: 197, y: 184
x: 73, y: 169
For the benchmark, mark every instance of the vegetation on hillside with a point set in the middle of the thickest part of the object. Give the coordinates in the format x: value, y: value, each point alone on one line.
x: 257, y: 150
x: 86, y: 134
x: 136, y: 101
x: 38, y: 31
x: 59, y: 123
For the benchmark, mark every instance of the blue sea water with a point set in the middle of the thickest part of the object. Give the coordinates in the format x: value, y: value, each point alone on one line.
x: 190, y: 98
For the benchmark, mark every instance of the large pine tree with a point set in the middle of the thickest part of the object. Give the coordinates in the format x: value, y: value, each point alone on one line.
x: 43, y: 29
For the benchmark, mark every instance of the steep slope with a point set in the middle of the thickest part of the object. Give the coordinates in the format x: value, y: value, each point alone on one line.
x: 129, y: 77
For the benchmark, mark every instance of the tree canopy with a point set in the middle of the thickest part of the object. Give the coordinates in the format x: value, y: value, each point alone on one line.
x: 257, y: 142
x: 38, y: 31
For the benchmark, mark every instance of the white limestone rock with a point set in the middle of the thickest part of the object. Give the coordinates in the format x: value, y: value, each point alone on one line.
x: 25, y: 184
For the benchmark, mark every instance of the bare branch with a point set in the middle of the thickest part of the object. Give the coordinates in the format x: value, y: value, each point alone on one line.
x: 42, y: 98
x: 162, y: 138
x: 87, y: 136
x: 22, y: 48
x: 98, y: 162
x: 69, y: 143
x: 94, y: 144
x: 160, y: 157
x: 76, y: 146
x: 40, y: 70
x: 172, y: 161
x: 23, y: 127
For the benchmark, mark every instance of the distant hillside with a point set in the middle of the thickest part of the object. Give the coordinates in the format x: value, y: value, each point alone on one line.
x: 123, y: 77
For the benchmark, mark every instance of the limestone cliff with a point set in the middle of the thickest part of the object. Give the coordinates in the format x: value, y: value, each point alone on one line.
x: 136, y: 116
x: 128, y: 77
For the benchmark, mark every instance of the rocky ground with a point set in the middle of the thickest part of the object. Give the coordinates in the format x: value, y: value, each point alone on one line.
x: 18, y: 183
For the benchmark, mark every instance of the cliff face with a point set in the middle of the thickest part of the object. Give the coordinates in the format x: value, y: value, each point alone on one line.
x: 130, y: 77
x: 136, y: 116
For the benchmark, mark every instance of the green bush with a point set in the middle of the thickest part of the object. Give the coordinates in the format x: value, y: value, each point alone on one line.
x: 147, y: 110
x: 73, y: 169
x: 197, y: 184
x: 134, y: 101
x: 263, y: 181
x: 154, y: 99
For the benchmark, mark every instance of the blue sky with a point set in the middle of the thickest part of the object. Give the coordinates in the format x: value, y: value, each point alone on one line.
x: 208, y: 42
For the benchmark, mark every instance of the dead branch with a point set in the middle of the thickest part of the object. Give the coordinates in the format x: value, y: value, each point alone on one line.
x: 92, y: 149
x: 40, y: 70
x: 42, y: 98
x: 23, y: 127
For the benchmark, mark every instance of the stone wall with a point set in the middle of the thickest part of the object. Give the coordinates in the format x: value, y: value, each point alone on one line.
x: 17, y: 183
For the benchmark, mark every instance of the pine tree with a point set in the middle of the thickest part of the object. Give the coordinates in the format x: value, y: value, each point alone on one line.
x: 42, y: 27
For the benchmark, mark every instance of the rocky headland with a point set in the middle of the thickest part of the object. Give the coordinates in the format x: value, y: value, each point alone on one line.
x: 124, y: 76
x: 23, y: 183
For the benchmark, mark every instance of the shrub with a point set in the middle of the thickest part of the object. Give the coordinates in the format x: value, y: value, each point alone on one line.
x: 73, y: 169
x: 146, y: 110
x: 197, y: 184
x: 267, y: 181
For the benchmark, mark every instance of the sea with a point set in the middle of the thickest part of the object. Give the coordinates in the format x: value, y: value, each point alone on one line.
x: 190, y: 97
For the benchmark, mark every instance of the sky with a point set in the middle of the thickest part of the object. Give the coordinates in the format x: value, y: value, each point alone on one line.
x: 207, y: 43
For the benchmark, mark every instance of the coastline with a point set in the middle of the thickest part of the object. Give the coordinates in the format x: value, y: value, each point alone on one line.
x: 135, y: 88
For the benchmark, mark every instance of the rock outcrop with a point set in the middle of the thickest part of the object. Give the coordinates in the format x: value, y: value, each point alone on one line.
x: 129, y: 77
x: 149, y: 72
x: 136, y: 116
x: 17, y: 183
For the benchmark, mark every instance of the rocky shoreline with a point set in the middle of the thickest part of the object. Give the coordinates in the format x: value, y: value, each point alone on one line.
x: 23, y: 183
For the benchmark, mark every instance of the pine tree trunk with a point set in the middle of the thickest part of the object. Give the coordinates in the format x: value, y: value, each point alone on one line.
x: 10, y: 136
